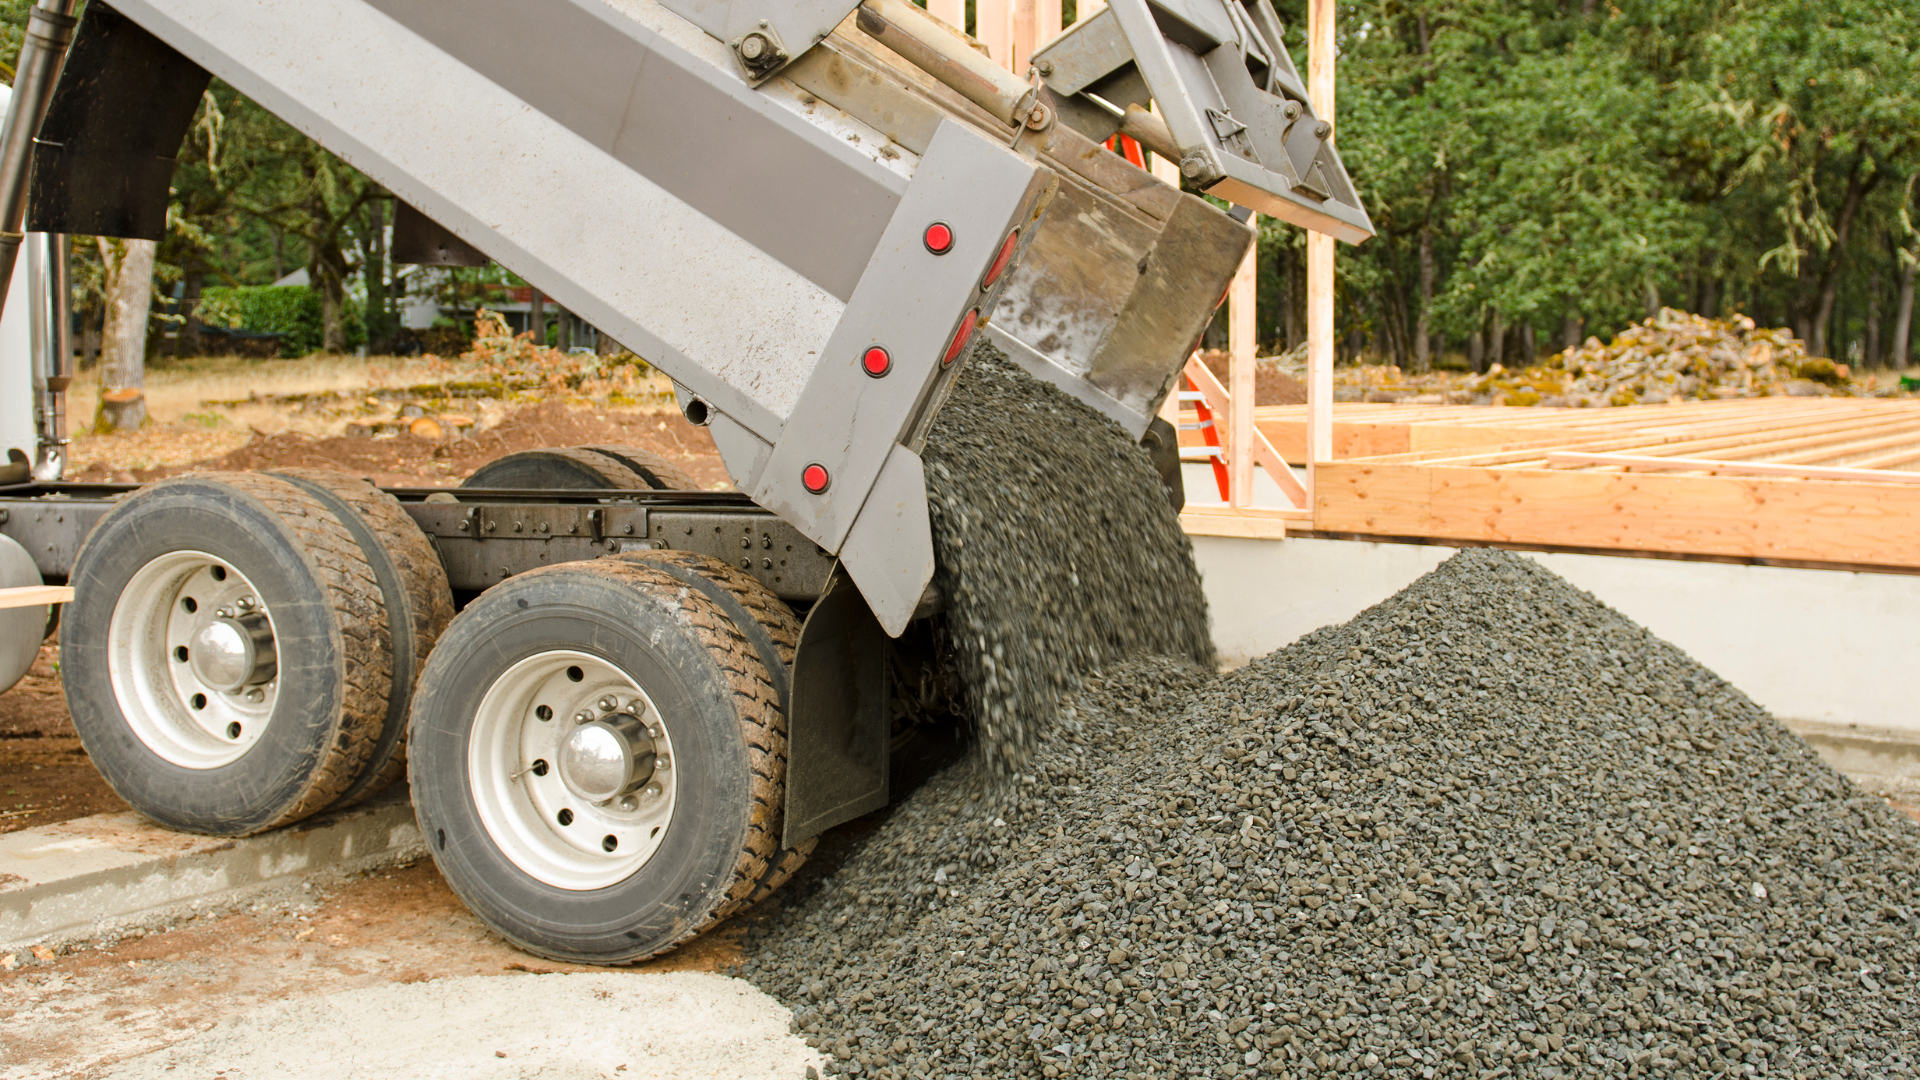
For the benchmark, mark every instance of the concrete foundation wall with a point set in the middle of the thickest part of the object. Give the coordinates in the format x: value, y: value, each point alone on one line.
x: 1835, y: 654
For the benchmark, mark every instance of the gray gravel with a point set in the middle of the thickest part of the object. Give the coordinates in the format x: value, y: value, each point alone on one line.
x: 1057, y: 550
x: 1489, y: 827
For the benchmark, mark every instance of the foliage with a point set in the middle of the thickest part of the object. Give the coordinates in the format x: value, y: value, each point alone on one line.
x: 292, y: 311
x: 517, y: 363
x: 1569, y: 164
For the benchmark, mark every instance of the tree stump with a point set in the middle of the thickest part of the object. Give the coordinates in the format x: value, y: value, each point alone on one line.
x: 122, y: 410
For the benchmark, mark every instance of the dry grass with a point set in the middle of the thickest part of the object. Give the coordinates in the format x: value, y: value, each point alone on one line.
x: 204, y: 407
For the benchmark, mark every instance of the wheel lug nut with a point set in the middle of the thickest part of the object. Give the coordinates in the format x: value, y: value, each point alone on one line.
x: 662, y: 764
x: 652, y: 791
x: 582, y: 717
x: 246, y: 603
x: 609, y: 703
x: 629, y: 803
x: 256, y: 696
x: 225, y: 613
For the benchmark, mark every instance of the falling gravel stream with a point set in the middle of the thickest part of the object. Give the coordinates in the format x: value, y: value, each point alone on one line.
x: 1487, y: 828
x: 1057, y: 551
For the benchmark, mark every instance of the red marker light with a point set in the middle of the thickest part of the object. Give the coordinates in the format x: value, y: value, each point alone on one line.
x: 1001, y: 260
x: 939, y: 238
x: 877, y: 362
x: 815, y: 478
x: 960, y: 337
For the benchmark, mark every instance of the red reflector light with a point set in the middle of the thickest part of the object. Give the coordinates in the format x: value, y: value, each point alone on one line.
x: 815, y: 478
x: 939, y: 238
x: 960, y: 337
x: 1001, y: 260
x: 877, y: 362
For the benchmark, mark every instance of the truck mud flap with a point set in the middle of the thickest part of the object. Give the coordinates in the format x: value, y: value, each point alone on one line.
x: 838, y: 722
x: 104, y: 159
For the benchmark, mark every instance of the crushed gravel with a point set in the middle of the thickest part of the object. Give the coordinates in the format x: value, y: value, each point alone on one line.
x: 1056, y: 551
x: 1489, y: 827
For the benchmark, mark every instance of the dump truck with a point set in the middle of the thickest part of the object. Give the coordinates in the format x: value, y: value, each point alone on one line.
x: 625, y: 708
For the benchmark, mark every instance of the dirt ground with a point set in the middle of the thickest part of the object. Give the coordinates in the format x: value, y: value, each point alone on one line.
x: 68, y: 1014
x: 403, y: 460
x: 45, y: 776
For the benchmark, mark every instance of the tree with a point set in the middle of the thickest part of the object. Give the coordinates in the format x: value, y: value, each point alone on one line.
x: 123, y: 356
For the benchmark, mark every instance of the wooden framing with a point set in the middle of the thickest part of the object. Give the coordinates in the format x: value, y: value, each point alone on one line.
x: 1825, y: 482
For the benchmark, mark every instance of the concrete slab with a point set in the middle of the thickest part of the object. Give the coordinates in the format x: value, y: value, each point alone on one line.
x: 111, y: 872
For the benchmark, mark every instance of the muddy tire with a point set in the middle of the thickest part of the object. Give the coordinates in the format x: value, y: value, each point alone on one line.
x: 414, y: 590
x: 564, y: 469
x: 227, y: 661
x: 658, y: 471
x: 558, y: 854
x: 769, y: 624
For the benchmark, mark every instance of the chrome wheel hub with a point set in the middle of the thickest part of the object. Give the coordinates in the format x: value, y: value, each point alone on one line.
x: 571, y: 767
x: 192, y: 660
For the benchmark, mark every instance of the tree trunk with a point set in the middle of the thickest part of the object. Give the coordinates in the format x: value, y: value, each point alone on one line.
x: 1857, y: 189
x: 1477, y: 350
x: 563, y: 329
x: 123, y: 359
x: 1423, y: 329
x: 1497, y: 338
x: 537, y: 318
x: 1873, y: 318
x: 1710, y: 297
x: 1650, y: 297
x: 1529, y: 349
x: 1903, y: 318
x: 188, y: 343
x: 1570, y: 326
x: 376, y: 316
x: 1286, y: 298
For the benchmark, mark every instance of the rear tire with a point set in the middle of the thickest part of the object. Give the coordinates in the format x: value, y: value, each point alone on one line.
x: 769, y: 624
x: 227, y: 660
x: 508, y: 825
x: 413, y: 587
x: 564, y: 469
x: 21, y: 629
x: 657, y: 470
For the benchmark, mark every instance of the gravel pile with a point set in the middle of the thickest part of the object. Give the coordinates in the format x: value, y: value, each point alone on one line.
x: 1056, y: 548
x: 1487, y: 828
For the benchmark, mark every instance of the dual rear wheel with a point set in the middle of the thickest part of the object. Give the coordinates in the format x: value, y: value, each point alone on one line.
x: 242, y: 647
x: 597, y: 750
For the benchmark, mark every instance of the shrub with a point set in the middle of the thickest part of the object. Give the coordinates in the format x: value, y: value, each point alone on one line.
x: 292, y: 311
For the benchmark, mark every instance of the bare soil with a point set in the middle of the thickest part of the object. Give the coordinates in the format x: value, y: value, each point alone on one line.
x: 409, y: 461
x: 68, y: 1013
x: 45, y: 776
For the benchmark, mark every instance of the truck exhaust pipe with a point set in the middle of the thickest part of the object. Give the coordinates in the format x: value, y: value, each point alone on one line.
x: 48, y: 275
x: 50, y: 29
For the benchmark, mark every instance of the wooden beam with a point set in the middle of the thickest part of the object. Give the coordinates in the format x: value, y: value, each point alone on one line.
x: 1748, y: 517
x: 1240, y: 350
x: 993, y: 27
x: 951, y: 12
x: 35, y: 596
x: 1047, y: 19
x: 1320, y: 83
x: 1731, y: 468
x: 1249, y: 524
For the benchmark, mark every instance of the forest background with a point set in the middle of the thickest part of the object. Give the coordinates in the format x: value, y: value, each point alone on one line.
x: 1539, y: 171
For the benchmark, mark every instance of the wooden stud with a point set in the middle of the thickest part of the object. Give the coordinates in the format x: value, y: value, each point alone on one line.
x: 993, y: 27
x: 1049, y: 19
x: 1320, y: 83
x: 1732, y: 468
x: 1240, y: 350
x: 951, y: 12
x: 35, y: 596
